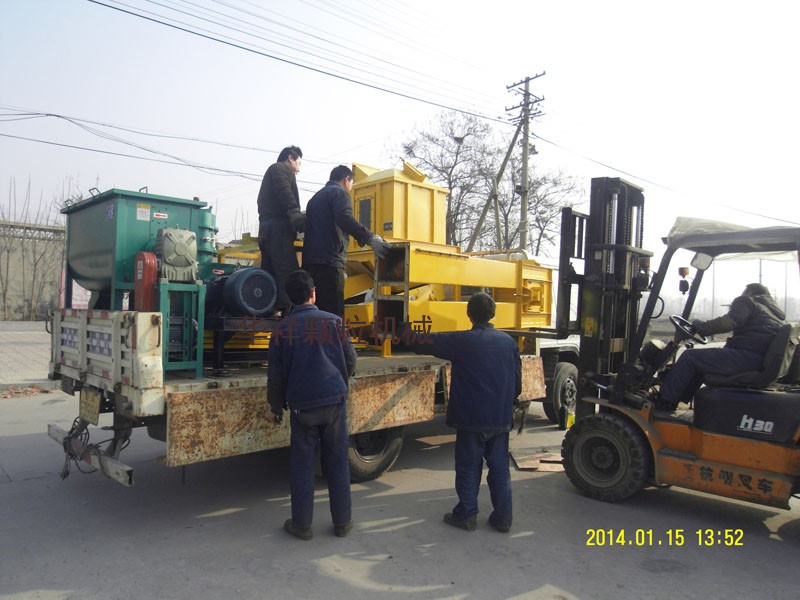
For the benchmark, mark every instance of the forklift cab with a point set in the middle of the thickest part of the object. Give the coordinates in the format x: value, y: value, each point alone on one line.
x: 741, y: 438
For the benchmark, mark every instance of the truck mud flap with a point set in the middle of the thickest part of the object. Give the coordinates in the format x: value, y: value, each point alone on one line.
x: 100, y: 460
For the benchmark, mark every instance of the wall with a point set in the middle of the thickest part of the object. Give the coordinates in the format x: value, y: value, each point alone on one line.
x: 31, y: 258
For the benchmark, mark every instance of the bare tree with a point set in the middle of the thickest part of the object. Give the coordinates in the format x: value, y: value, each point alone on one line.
x: 6, y: 249
x: 31, y: 255
x: 548, y: 194
x: 456, y: 152
x: 462, y: 153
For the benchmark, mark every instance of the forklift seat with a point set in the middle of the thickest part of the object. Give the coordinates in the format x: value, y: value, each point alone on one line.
x: 776, y: 363
x: 766, y: 415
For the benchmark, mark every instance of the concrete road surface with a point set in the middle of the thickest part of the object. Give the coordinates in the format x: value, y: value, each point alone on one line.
x: 218, y: 535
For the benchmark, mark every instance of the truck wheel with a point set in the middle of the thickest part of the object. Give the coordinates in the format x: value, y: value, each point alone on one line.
x: 373, y: 453
x: 606, y: 457
x: 563, y: 391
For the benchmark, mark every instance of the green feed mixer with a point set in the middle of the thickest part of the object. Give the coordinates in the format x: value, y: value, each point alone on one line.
x: 136, y: 251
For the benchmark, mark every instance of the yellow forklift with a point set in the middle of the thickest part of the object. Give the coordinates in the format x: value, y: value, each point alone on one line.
x: 740, y: 438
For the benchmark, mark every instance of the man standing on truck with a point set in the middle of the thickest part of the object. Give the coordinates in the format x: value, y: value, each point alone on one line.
x: 754, y: 318
x: 486, y: 379
x: 280, y: 219
x: 311, y: 360
x: 329, y: 221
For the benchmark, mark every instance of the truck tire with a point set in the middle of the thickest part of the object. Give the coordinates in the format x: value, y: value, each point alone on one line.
x: 373, y: 453
x: 606, y: 457
x: 563, y: 391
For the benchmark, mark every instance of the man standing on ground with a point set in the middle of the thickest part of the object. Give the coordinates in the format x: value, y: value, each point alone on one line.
x: 486, y: 379
x: 280, y: 219
x: 310, y: 361
x: 329, y: 221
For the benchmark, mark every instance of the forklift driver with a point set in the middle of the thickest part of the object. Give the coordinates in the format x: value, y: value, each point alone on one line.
x: 754, y: 318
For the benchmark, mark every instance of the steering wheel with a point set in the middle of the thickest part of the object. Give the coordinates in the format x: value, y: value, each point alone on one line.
x: 687, y: 329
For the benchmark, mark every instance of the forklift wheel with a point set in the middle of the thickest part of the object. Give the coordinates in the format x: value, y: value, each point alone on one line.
x: 606, y: 457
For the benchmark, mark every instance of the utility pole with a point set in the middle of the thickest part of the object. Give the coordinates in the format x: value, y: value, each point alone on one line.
x: 529, y: 111
x: 493, y: 199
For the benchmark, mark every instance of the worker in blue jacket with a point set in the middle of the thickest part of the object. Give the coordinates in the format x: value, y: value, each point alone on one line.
x: 311, y: 359
x: 485, y: 381
x: 329, y: 223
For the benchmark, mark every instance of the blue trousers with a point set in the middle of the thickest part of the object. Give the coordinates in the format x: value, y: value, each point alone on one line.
x: 329, y: 283
x: 472, y: 447
x: 686, y: 377
x: 325, y: 426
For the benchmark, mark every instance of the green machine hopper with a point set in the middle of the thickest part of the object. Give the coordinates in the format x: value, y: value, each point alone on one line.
x: 104, y: 235
x: 106, y: 231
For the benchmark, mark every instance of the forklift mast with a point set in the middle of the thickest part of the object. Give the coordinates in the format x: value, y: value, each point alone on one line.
x: 608, y: 242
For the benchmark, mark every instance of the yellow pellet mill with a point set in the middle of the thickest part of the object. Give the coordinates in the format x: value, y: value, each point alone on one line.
x: 423, y: 280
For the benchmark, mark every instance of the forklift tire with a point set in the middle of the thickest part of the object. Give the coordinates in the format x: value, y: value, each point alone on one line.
x: 563, y: 391
x: 373, y: 453
x: 606, y: 457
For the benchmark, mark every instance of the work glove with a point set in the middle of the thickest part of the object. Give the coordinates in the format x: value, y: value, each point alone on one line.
x: 379, y: 246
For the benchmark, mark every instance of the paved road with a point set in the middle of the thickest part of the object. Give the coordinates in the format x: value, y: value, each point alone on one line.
x: 219, y: 534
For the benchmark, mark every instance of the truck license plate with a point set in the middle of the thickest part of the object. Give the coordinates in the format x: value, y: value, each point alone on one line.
x: 90, y: 405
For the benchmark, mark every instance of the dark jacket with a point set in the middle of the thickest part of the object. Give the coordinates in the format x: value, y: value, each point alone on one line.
x: 278, y: 197
x: 485, y: 379
x: 754, y: 321
x: 311, y: 359
x: 329, y: 220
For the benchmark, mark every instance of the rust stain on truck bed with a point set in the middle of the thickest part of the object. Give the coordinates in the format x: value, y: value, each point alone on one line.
x: 381, y: 401
x: 218, y: 423
x: 532, y: 379
x: 210, y: 424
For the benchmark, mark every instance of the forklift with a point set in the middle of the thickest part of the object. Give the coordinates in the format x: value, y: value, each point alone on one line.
x: 740, y: 436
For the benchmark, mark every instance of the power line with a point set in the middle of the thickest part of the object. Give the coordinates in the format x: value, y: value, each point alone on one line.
x: 179, y: 162
x: 339, y: 63
x: 385, y: 30
x: 321, y: 71
x: 304, y: 29
x: 302, y: 66
x: 602, y: 164
x: 371, y: 86
x: 755, y: 214
x: 215, y: 170
x: 76, y: 120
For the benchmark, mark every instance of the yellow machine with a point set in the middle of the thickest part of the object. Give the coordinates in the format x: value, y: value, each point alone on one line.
x: 424, y: 280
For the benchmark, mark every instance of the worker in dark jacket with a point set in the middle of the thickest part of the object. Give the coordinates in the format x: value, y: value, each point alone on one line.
x: 280, y: 219
x: 310, y: 361
x: 754, y: 318
x: 485, y: 381
x: 329, y: 222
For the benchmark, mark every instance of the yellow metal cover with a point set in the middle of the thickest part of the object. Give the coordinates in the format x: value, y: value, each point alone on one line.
x: 399, y: 204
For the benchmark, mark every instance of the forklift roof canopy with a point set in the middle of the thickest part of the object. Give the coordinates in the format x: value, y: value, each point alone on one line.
x: 716, y: 238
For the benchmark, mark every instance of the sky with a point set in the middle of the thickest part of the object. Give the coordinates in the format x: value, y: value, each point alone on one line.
x: 696, y: 102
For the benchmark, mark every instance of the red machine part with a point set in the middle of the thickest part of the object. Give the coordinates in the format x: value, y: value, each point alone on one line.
x: 144, y: 282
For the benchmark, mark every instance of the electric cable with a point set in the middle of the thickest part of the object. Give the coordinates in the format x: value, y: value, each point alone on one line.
x: 302, y: 66
x: 144, y: 132
x: 283, y: 45
x: 354, y: 55
x: 212, y: 170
